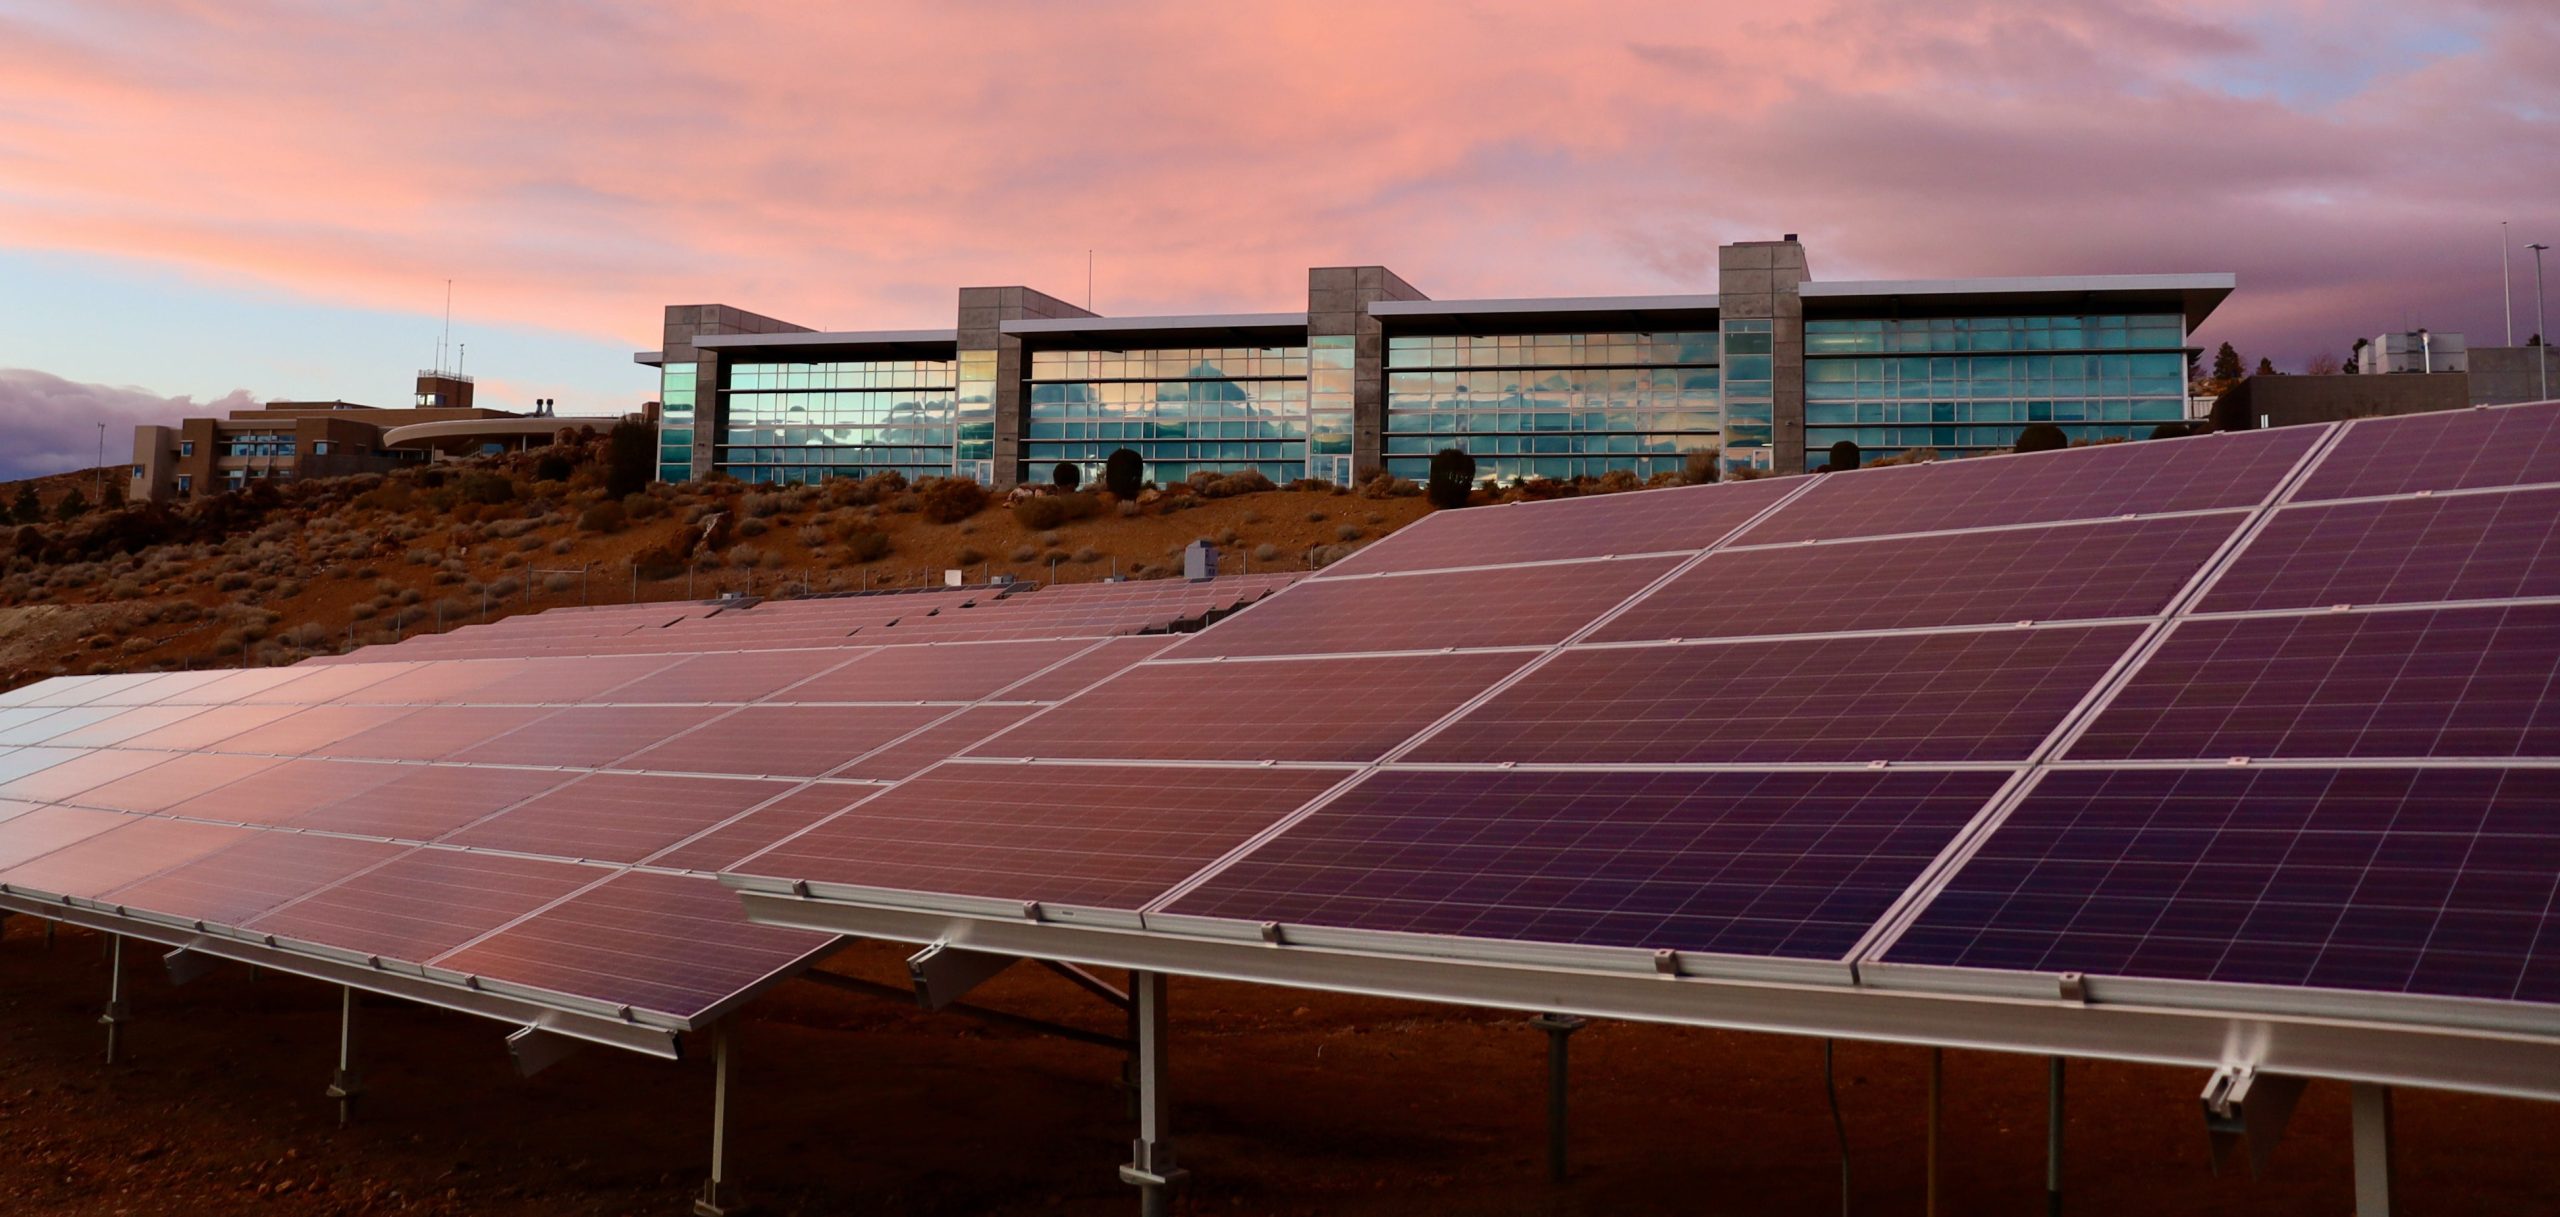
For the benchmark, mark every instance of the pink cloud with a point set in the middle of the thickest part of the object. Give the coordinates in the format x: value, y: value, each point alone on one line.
x: 580, y: 165
x: 53, y: 423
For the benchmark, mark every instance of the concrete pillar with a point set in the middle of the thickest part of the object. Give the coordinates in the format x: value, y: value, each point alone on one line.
x: 1346, y: 364
x: 994, y: 406
x: 1759, y: 281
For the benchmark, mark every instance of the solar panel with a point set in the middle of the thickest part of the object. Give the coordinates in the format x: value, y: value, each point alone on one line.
x: 175, y: 780
x: 616, y: 817
x: 2458, y: 547
x: 1107, y: 836
x: 784, y: 740
x: 31, y: 834
x: 1988, y: 695
x: 278, y: 791
x: 432, y: 683
x: 2235, y: 469
x: 42, y: 725
x: 210, y: 726
x: 715, y: 849
x: 1102, y: 659
x: 1648, y: 521
x: 2434, y: 881
x: 426, y: 902
x: 726, y: 678
x: 65, y: 772
x: 668, y: 943
x: 2401, y: 683
x: 949, y: 736
x: 256, y: 873
x: 2057, y: 573
x: 116, y: 727
x: 587, y: 737
x: 1246, y: 710
x: 947, y: 672
x: 1520, y: 606
x: 1792, y: 864
x: 432, y: 733
x: 316, y: 727
x: 426, y: 802
x: 2447, y: 450
x: 136, y: 849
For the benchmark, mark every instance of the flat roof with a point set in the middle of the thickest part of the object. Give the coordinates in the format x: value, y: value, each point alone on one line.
x: 1118, y: 333
x: 1532, y: 314
x: 2194, y: 295
x: 828, y: 338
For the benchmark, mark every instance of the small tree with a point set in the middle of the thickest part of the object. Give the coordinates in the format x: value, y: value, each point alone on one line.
x: 1698, y: 466
x: 27, y: 509
x: 1844, y: 456
x: 1452, y: 472
x: 71, y: 506
x: 1066, y: 476
x: 552, y: 467
x: 112, y: 498
x: 630, y: 460
x: 2227, y: 366
x: 2323, y: 364
x: 1124, y: 473
x: 2042, y: 437
x: 2267, y: 367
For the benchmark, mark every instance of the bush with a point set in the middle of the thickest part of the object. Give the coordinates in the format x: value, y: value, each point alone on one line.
x: 553, y: 467
x: 483, y: 487
x: 968, y: 557
x: 2042, y: 437
x: 752, y: 527
x: 1245, y: 481
x: 1699, y: 466
x: 1124, y: 473
x: 867, y: 544
x: 1265, y: 552
x: 607, y: 516
x: 1453, y: 472
x: 950, y: 500
x: 1066, y: 476
x: 643, y: 506
x: 1348, y: 532
x: 1844, y: 456
x: 1039, y: 513
x: 71, y: 506
x: 26, y: 508
x: 631, y: 459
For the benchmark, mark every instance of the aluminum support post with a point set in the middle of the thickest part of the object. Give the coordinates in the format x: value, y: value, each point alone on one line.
x: 1937, y: 1085
x: 719, y: 1196
x: 114, y: 1018
x: 2372, y: 1138
x: 1150, y: 1165
x: 1559, y: 1029
x: 2053, y: 1139
x: 348, y: 1083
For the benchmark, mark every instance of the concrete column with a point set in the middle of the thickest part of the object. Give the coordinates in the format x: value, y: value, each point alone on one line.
x: 995, y: 408
x: 1338, y: 299
x: 1760, y: 281
x: 2372, y: 1139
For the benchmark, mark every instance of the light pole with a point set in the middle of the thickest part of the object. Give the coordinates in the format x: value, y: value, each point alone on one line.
x: 2542, y: 328
x: 102, y: 464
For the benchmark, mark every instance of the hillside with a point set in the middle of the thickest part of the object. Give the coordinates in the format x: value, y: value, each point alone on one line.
x: 287, y: 570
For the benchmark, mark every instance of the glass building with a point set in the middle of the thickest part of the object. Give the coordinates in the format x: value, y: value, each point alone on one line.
x: 1770, y: 371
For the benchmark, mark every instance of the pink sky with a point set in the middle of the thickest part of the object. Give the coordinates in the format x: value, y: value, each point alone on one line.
x: 578, y: 165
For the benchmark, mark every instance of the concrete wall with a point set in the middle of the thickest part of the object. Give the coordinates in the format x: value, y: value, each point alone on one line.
x: 1760, y: 280
x: 984, y: 344
x: 684, y: 323
x: 1338, y: 300
x: 2287, y: 401
x: 2502, y: 375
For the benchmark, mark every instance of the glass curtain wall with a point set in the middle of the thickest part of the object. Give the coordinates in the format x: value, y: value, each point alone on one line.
x: 1967, y: 385
x: 675, y: 422
x: 1552, y: 405
x: 1221, y: 410
x: 806, y: 422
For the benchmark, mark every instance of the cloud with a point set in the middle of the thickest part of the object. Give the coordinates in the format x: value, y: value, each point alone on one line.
x: 52, y: 423
x: 581, y: 165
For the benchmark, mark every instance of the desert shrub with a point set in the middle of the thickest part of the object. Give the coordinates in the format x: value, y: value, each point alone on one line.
x: 812, y: 536
x: 1247, y: 481
x: 1265, y: 552
x: 1086, y: 554
x: 1025, y: 553
x: 1124, y: 473
x: 753, y: 527
x: 481, y: 486
x: 658, y: 562
x: 1316, y: 517
x: 950, y: 500
x: 390, y: 496
x: 553, y: 467
x: 1453, y: 472
x: 745, y: 557
x: 866, y: 545
x: 607, y: 516
x: 758, y: 506
x: 1388, y: 486
x: 1617, y: 481
x: 1699, y: 466
x: 1348, y: 532
x: 643, y: 506
x: 968, y: 557
x: 1043, y: 512
x: 2042, y: 437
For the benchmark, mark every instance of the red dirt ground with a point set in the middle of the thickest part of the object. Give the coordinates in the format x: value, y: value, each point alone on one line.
x: 1286, y: 1102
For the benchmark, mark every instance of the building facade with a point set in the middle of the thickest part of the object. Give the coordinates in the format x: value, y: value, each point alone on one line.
x: 1769, y: 371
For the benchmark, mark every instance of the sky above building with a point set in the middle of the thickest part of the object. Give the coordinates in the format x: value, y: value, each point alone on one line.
x: 268, y: 198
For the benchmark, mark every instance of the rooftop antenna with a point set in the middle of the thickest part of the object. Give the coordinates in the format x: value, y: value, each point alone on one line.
x: 447, y: 335
x: 1088, y: 282
x: 2506, y: 282
x: 461, y: 358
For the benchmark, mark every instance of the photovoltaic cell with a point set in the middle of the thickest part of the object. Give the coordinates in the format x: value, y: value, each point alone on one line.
x: 450, y: 681
x: 257, y: 873
x: 2399, y: 551
x: 616, y: 817
x: 1650, y: 521
x: 426, y: 802
x: 312, y: 686
x: 1519, y: 606
x: 729, y: 678
x: 587, y: 737
x: 2408, y: 683
x: 1990, y: 695
x: 210, y: 726
x: 119, y: 726
x: 1281, y: 709
x: 2445, y: 450
x: 1103, y: 659
x: 278, y: 791
x: 713, y: 851
x: 426, y: 902
x: 935, y: 672
x: 316, y: 727
x: 1107, y: 836
x: 46, y: 724
x: 2062, y: 573
x: 433, y: 733
x: 948, y: 737
x: 1789, y: 864
x: 75, y: 772
x: 2396, y: 881
x: 140, y: 847
x: 674, y: 944
x: 2236, y: 469
x: 175, y: 780
x: 29, y: 835
x: 784, y: 741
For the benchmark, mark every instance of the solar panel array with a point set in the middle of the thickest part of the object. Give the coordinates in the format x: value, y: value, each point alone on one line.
x: 2268, y: 708
x: 536, y: 806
